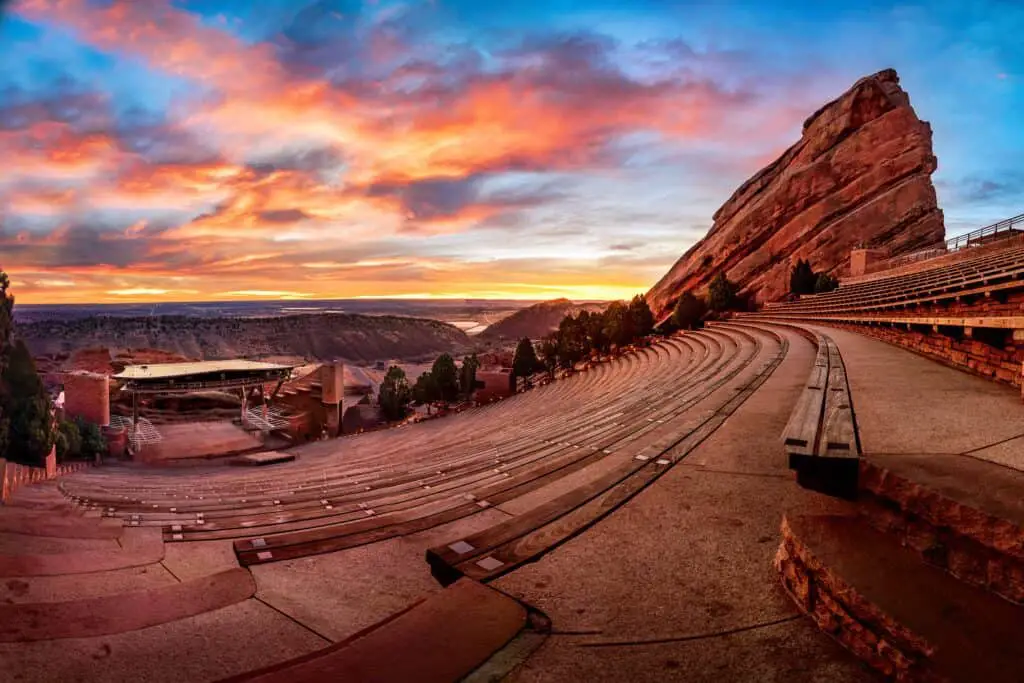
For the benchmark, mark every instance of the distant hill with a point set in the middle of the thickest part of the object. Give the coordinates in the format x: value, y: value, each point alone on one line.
x: 327, y: 336
x: 537, y: 320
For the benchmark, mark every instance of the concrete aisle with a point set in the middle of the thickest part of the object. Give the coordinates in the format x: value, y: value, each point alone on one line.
x: 909, y: 404
x: 678, y: 584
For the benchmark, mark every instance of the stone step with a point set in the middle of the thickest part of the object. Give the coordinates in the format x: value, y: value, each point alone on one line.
x: 904, y: 618
x: 110, y: 614
x: 439, y: 639
x: 959, y: 513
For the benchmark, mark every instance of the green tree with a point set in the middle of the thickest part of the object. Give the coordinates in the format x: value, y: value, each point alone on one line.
x: 549, y: 353
x: 394, y: 394
x: 93, y: 443
x: 446, y: 375
x: 467, y: 375
x: 27, y: 407
x: 802, y: 278
x: 6, y: 334
x: 69, y: 441
x: 525, y: 362
x: 825, y: 283
x: 689, y: 312
x: 573, y: 344
x: 618, y: 323
x: 425, y: 390
x: 641, y: 317
x: 722, y: 294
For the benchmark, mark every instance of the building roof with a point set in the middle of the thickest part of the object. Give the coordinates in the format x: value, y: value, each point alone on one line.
x: 172, y: 370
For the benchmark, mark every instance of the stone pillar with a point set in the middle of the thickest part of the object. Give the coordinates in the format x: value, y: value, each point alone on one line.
x: 87, y: 395
x: 332, y: 391
x: 51, y: 463
x: 861, y: 260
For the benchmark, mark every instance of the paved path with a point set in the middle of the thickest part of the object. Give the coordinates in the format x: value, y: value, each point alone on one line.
x: 906, y: 403
x: 678, y: 584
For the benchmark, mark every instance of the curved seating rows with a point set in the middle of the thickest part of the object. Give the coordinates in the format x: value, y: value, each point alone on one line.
x: 989, y: 272
x: 378, y: 485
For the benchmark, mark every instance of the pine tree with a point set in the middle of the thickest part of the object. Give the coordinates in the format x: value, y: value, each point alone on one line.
x: 26, y: 405
x: 446, y: 375
x: 425, y: 389
x: 641, y: 317
x: 467, y: 375
x: 394, y: 394
x: 525, y: 362
x: 6, y: 334
x: 802, y: 278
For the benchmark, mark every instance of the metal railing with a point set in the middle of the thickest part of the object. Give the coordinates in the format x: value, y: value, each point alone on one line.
x: 984, y: 235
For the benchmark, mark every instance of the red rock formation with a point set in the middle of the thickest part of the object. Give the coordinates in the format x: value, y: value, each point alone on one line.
x: 860, y: 175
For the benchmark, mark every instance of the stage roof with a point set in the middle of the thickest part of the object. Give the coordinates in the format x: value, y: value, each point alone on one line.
x: 156, y: 371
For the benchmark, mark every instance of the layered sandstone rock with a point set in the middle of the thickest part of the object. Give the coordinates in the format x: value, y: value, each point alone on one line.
x: 859, y: 176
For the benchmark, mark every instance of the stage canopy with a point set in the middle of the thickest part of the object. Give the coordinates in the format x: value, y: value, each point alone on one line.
x: 202, y: 375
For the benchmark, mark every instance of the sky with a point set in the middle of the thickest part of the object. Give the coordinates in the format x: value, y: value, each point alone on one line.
x: 188, y: 150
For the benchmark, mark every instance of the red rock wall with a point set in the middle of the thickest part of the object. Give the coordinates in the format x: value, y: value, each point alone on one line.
x: 859, y: 176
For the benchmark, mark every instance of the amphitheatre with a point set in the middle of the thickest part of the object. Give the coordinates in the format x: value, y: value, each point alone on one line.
x: 826, y: 488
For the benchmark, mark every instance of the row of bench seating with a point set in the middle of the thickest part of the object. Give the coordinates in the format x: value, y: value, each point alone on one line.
x: 385, y: 484
x: 821, y: 436
x: 991, y: 272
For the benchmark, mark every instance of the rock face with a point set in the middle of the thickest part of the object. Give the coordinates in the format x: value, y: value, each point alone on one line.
x: 859, y: 176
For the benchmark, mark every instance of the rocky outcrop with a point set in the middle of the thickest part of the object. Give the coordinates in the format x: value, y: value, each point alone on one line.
x: 537, y: 320
x: 859, y: 176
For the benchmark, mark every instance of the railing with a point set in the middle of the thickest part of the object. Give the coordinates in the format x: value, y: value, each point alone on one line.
x: 980, y: 235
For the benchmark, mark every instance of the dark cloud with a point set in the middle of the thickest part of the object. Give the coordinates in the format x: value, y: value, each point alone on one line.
x: 999, y: 187
x: 310, y: 160
x: 64, y: 102
x: 434, y: 199
x: 283, y: 215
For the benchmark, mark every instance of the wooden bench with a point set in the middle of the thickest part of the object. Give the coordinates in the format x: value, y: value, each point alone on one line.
x: 821, y: 435
x: 506, y: 545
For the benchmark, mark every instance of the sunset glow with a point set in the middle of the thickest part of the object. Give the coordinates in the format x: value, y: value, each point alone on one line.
x: 210, y: 150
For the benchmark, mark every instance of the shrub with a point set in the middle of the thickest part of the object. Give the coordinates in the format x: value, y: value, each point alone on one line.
x: 802, y: 278
x: 825, y: 283
x: 69, y: 441
x: 722, y: 294
x: 689, y: 312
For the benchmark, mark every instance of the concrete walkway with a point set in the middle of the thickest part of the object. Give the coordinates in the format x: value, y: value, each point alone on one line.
x: 906, y: 404
x: 678, y: 584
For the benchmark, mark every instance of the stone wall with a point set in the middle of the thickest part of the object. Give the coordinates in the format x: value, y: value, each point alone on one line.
x: 973, y: 545
x: 13, y: 475
x: 845, y: 615
x: 991, y: 353
x: 972, y: 355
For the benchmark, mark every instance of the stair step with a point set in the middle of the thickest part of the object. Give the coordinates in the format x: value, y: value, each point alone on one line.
x: 957, y: 512
x: 905, y: 618
x: 442, y: 638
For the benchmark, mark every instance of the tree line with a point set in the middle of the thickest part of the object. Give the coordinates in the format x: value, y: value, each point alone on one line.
x: 803, y: 280
x: 444, y: 382
x: 29, y: 428
x: 580, y: 335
